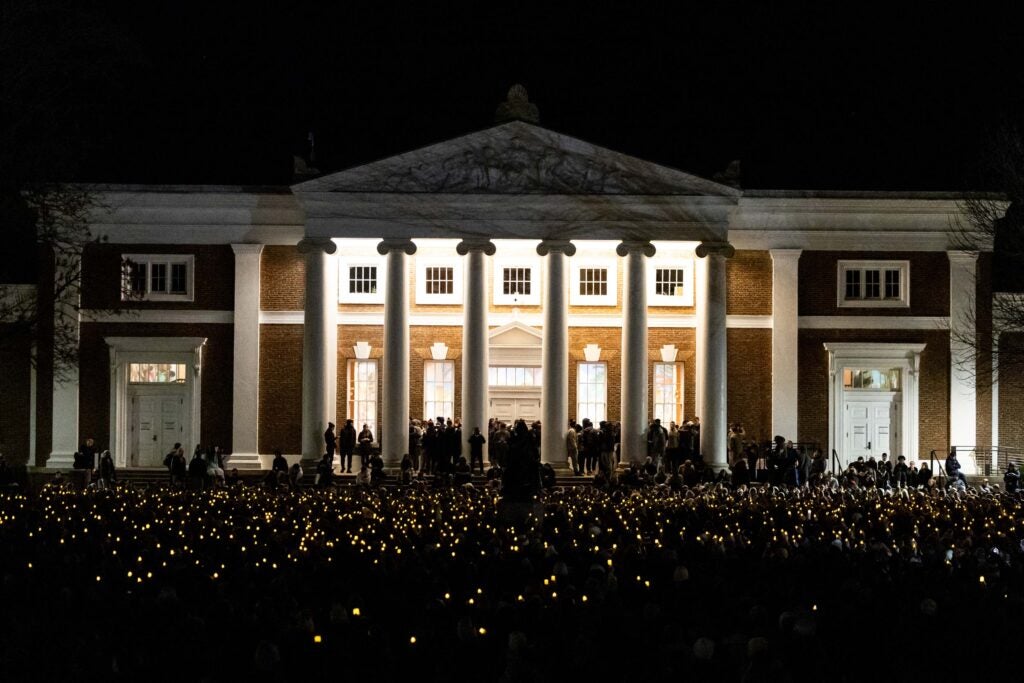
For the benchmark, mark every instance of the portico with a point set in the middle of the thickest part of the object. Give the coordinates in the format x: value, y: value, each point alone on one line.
x: 527, y: 186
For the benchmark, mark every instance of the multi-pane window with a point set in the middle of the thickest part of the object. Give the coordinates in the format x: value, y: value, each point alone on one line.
x: 362, y: 279
x: 512, y: 376
x: 874, y: 379
x: 439, y: 280
x: 516, y: 281
x: 593, y: 281
x: 669, y: 281
x: 156, y: 373
x: 873, y: 283
x: 438, y: 389
x: 592, y: 392
x: 362, y: 394
x: 668, y: 392
x: 157, y: 277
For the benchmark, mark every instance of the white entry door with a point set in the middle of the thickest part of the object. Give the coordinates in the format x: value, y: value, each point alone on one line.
x: 509, y: 409
x: 871, y: 427
x: 158, y: 423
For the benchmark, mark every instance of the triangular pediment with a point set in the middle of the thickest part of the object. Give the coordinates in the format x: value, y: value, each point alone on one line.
x: 516, y: 158
x: 515, y: 334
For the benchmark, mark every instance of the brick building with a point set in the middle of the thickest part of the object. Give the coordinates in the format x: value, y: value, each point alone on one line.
x: 514, y: 272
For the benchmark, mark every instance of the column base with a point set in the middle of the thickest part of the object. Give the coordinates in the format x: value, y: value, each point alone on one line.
x: 60, y: 460
x: 245, y: 461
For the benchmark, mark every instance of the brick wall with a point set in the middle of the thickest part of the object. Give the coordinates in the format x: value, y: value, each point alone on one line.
x: 749, y: 283
x: 1011, y: 390
x: 15, y: 398
x: 280, y: 400
x: 750, y: 381
x: 282, y: 279
x: 933, y: 384
x: 929, y: 283
x: 214, y: 276
x: 218, y: 371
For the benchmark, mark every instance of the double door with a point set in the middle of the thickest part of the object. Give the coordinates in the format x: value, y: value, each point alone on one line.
x: 871, y: 427
x: 158, y: 422
x: 510, y: 408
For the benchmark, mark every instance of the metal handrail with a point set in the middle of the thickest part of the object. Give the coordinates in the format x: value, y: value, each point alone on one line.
x: 837, y: 466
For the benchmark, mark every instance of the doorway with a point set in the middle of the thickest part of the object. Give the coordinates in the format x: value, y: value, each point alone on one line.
x: 872, y: 426
x: 159, y: 421
x: 510, y: 408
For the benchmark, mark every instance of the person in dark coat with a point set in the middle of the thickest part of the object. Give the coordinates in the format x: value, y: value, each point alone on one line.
x: 476, y: 449
x: 325, y: 470
x: 347, y: 445
x: 108, y: 475
x: 1012, y: 478
x: 953, y: 467
x: 901, y: 473
x: 330, y: 441
x: 804, y: 465
x: 365, y: 443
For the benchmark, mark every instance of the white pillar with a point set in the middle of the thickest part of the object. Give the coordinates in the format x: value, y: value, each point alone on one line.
x: 700, y: 289
x: 246, y: 378
x: 319, y: 344
x: 633, y: 412
x: 554, y: 397
x: 394, y: 436
x: 785, y: 386
x: 963, y: 398
x: 712, y: 331
x: 474, y: 338
x: 67, y: 328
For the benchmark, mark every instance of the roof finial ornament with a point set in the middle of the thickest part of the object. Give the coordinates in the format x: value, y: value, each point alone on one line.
x: 517, y: 107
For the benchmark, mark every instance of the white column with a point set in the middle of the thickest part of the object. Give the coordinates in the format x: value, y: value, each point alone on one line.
x: 633, y: 413
x: 67, y: 328
x: 394, y: 436
x: 246, y: 378
x: 995, y: 395
x: 963, y: 398
x: 785, y: 387
x: 474, y: 338
x: 554, y: 396
x: 319, y: 344
x: 700, y: 289
x: 712, y: 331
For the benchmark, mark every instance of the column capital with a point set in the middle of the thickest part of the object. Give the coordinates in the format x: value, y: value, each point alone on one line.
x: 469, y: 244
x: 961, y: 256
x: 785, y: 254
x: 627, y: 246
x: 240, y: 249
x: 310, y: 245
x: 548, y: 246
x: 388, y: 245
x: 715, y: 249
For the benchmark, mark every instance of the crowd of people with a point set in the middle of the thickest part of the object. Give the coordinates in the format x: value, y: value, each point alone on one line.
x: 638, y: 580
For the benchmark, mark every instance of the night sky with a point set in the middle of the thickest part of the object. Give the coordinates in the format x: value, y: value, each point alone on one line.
x: 826, y: 96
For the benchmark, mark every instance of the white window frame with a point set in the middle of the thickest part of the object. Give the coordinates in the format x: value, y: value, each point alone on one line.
x: 422, y: 263
x: 580, y: 412
x: 847, y: 265
x: 498, y: 271
x: 684, y: 264
x: 344, y: 263
x: 578, y: 265
x: 351, y: 400
x: 430, y: 368
x: 167, y: 260
x: 677, y: 405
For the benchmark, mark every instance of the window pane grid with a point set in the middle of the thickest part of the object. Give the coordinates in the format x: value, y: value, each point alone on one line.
x: 362, y: 394
x: 668, y: 395
x: 438, y: 389
x: 440, y: 280
x: 158, y: 277
x: 156, y: 373
x: 878, y: 284
x: 591, y: 392
x: 362, y: 280
x: 511, y: 376
x: 892, y: 284
x: 593, y: 281
x: 516, y: 281
x: 668, y: 281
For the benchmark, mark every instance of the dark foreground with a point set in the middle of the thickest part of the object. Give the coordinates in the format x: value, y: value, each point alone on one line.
x: 430, y: 585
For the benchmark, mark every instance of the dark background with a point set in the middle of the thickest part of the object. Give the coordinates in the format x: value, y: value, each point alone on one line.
x: 823, y: 95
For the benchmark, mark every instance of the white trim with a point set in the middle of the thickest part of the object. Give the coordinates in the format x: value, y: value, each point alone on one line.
x: 873, y: 322
x: 498, y: 318
x: 371, y: 260
x: 851, y: 354
x: 593, y: 261
x: 845, y: 265
x: 125, y: 350
x: 498, y: 265
x: 157, y: 315
x: 424, y: 262
x: 657, y: 263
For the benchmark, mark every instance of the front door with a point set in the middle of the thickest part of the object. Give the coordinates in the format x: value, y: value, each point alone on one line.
x: 158, y: 421
x: 507, y: 409
x: 871, y: 427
